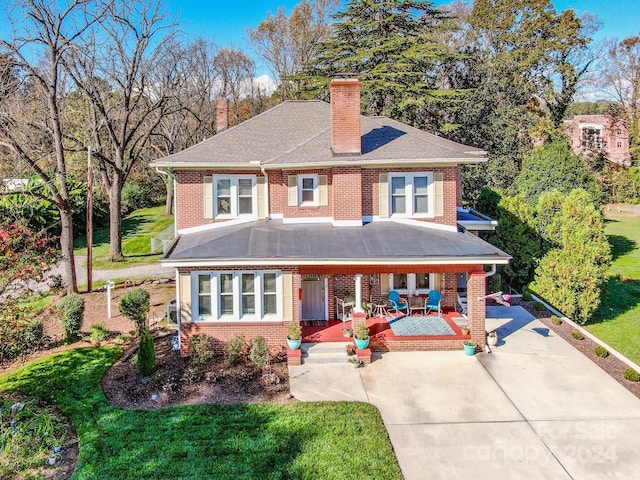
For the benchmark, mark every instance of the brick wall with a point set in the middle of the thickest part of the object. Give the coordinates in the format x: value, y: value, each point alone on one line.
x: 347, y: 193
x: 303, y: 211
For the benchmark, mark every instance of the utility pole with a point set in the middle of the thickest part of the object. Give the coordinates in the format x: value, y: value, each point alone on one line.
x: 89, y: 222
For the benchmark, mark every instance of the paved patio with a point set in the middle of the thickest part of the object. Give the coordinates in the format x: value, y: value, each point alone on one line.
x: 534, y: 408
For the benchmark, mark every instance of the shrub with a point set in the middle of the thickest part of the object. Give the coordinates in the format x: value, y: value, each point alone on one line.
x: 577, y: 335
x: 202, y: 349
x: 146, y: 355
x: 259, y: 353
x: 234, y: 350
x: 18, y: 335
x: 631, y: 375
x: 526, y: 295
x: 556, y: 320
x: 539, y: 306
x: 99, y: 332
x: 601, y: 351
x: 294, y: 331
x: 70, y: 312
x: 135, y: 306
x: 56, y: 283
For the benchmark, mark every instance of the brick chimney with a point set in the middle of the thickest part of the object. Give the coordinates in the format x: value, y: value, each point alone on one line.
x: 345, y: 116
x: 222, y: 115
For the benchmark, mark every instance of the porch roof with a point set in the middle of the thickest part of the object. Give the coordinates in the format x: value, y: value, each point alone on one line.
x: 272, y: 242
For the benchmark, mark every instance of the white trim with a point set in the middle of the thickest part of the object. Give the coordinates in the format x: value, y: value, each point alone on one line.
x: 326, y: 298
x: 236, y: 316
x: 178, y: 310
x: 316, y: 193
x: 411, y: 284
x: 213, y: 226
x: 234, y: 196
x: 418, y: 223
x: 307, y: 220
x: 277, y: 216
x: 347, y: 223
x: 409, y: 194
x: 270, y: 262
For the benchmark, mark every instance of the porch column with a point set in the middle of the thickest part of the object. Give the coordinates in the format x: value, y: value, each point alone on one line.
x: 358, y: 306
x: 476, y: 306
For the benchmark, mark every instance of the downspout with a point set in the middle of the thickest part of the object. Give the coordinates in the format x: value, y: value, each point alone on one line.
x: 494, y: 269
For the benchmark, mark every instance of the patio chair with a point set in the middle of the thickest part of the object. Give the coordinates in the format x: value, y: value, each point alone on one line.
x: 433, y: 302
x: 398, y: 304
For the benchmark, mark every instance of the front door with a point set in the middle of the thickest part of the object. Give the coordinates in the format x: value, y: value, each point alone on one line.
x: 313, y: 299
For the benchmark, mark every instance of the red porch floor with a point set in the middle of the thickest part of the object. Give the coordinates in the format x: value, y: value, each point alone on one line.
x: 379, y: 330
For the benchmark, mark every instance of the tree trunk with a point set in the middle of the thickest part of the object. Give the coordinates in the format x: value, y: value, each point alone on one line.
x: 66, y: 245
x: 115, y: 218
x: 168, y: 205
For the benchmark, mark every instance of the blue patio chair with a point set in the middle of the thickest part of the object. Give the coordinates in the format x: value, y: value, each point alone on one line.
x: 433, y: 302
x: 398, y: 304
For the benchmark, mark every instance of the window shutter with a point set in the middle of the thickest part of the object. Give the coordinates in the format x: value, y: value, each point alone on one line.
x: 261, y: 184
x: 208, y: 197
x: 323, y: 195
x: 287, y: 296
x: 293, y: 190
x: 438, y: 194
x: 383, y: 195
x: 384, y: 283
x: 185, y: 297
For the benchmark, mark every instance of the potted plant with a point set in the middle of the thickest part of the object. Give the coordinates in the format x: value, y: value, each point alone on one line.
x: 355, y: 362
x: 492, y: 339
x: 362, y: 335
x: 347, y: 332
x: 465, y: 330
x: 294, y: 338
x: 469, y: 347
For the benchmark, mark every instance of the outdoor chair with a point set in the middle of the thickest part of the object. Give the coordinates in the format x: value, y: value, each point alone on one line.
x: 433, y: 302
x: 398, y: 304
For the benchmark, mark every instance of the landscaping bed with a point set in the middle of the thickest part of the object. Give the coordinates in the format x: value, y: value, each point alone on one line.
x: 176, y: 382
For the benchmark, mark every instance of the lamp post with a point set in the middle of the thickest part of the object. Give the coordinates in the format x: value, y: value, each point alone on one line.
x: 110, y: 285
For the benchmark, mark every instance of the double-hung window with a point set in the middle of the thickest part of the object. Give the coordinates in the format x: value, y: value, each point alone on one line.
x: 235, y: 195
x: 308, y: 189
x: 411, y: 194
x: 231, y: 296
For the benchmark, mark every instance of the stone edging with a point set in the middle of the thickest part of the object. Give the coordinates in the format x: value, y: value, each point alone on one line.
x: 588, y: 334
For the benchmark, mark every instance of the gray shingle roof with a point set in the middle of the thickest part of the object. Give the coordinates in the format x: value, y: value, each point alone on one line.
x: 271, y: 240
x: 297, y: 133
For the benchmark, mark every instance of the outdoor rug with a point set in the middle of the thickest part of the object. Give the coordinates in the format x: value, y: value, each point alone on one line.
x: 420, y: 326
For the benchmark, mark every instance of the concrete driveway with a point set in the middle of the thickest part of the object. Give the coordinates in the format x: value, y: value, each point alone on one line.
x: 534, y: 408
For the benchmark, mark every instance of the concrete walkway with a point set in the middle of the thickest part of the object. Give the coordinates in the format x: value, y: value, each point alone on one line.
x: 534, y: 408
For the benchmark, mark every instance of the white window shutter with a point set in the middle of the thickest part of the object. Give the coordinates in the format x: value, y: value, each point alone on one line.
x: 185, y: 298
x: 323, y: 195
x: 261, y: 185
x: 208, y: 197
x: 293, y: 190
x: 438, y: 194
x: 383, y: 195
x: 287, y: 296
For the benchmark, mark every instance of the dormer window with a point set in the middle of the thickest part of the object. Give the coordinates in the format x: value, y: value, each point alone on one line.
x: 411, y: 194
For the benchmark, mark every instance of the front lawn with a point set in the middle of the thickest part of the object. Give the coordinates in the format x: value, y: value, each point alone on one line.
x: 617, y: 321
x: 245, y: 441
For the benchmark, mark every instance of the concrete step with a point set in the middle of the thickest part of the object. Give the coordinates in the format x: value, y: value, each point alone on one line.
x: 326, y: 352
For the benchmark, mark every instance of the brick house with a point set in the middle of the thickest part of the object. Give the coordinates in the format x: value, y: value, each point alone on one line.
x: 283, y: 215
x: 599, y: 133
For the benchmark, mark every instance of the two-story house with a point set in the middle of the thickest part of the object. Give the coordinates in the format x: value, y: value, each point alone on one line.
x: 282, y: 215
x: 599, y: 133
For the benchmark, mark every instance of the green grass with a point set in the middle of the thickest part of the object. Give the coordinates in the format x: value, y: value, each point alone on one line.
x: 617, y: 321
x: 245, y: 441
x: 36, y: 302
x: 137, y: 231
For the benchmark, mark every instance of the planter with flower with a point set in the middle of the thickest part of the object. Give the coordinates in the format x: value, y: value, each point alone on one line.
x: 294, y: 338
x: 361, y: 334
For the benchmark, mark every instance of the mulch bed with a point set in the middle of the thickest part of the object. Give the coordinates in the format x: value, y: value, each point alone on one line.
x: 612, y: 365
x: 176, y: 383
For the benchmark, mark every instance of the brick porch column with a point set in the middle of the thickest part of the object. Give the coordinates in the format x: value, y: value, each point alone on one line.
x: 476, y: 306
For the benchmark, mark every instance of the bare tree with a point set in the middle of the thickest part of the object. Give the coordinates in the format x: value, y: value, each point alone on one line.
x: 288, y: 42
x: 620, y: 78
x: 31, y: 123
x: 126, y: 73
x: 235, y: 71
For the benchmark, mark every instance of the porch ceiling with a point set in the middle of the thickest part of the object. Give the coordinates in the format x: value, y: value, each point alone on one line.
x: 270, y: 242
